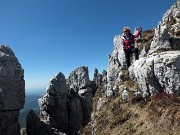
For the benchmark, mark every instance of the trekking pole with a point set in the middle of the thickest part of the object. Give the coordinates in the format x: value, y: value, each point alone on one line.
x: 141, y: 34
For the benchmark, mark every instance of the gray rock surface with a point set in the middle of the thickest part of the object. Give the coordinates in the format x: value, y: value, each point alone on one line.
x: 75, y: 115
x: 97, y: 77
x: 166, y: 36
x: 80, y: 83
x: 112, y: 75
x: 125, y: 96
x: 53, y: 106
x: 37, y: 127
x: 12, y: 84
x: 104, y: 77
x: 157, y: 73
x: 12, y: 91
x: 79, y: 78
x: 66, y: 107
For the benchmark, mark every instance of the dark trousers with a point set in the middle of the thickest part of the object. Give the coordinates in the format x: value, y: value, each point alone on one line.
x: 127, y: 55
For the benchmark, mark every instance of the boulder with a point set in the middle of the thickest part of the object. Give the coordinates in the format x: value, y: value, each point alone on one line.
x: 157, y: 73
x: 125, y: 96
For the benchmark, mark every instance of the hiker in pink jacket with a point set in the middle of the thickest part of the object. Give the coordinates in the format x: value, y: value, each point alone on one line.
x: 128, y: 42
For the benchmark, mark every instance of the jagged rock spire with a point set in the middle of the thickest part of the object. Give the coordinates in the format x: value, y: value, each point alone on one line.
x: 12, y: 91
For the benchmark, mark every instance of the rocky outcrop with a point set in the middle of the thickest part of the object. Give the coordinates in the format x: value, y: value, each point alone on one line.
x: 113, y: 71
x: 97, y: 77
x: 167, y: 33
x: 160, y: 70
x: 157, y: 73
x: 104, y: 77
x: 155, y: 65
x: 100, y: 78
x: 80, y: 83
x: 12, y: 91
x: 116, y: 63
x: 53, y: 106
x: 79, y: 79
x: 65, y: 108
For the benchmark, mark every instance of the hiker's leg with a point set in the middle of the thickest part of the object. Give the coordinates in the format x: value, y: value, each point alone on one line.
x: 127, y: 57
x: 136, y: 51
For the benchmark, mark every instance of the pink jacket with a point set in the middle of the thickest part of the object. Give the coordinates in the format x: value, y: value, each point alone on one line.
x: 127, y: 43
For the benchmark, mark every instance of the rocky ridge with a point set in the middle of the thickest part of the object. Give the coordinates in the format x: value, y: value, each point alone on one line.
x: 67, y: 104
x: 66, y: 107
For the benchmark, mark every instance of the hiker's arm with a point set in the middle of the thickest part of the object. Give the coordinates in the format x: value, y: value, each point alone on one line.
x: 137, y: 34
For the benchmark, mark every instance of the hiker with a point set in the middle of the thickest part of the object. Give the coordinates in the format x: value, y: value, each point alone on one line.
x: 128, y: 42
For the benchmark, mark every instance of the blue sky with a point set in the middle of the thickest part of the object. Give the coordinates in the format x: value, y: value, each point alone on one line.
x: 50, y: 36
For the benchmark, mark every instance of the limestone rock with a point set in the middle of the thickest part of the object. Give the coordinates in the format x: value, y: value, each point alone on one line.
x: 66, y: 107
x: 104, y: 77
x: 12, y: 84
x: 101, y: 102
x: 12, y: 91
x: 125, y: 96
x: 112, y: 75
x: 80, y: 83
x: 97, y: 77
x: 165, y: 36
x: 157, y: 73
x: 75, y: 114
x: 79, y: 78
x: 53, y: 106
x: 37, y: 127
x: 9, y: 124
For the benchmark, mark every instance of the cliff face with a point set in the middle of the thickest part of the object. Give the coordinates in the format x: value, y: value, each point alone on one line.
x: 167, y: 33
x: 66, y: 107
x: 12, y: 92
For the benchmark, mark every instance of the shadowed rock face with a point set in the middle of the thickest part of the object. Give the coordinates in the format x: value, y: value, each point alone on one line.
x: 12, y: 91
x: 97, y: 77
x: 53, y: 106
x: 37, y: 127
x: 64, y: 108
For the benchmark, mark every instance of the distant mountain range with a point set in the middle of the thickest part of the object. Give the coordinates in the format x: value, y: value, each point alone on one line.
x: 31, y: 102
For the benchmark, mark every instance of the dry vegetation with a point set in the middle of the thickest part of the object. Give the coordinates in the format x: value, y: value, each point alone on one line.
x: 145, y: 41
x: 159, y: 115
